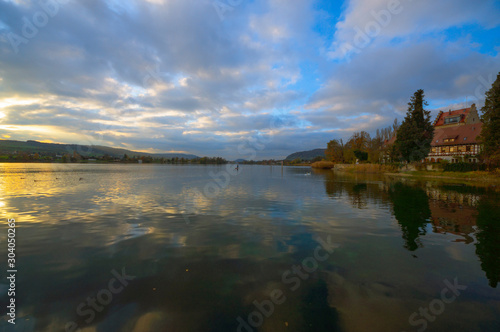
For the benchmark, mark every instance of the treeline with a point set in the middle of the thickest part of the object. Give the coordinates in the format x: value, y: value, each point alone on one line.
x: 77, y: 158
x: 408, y: 142
x: 260, y: 162
x: 25, y: 157
x: 362, y: 147
x: 209, y: 160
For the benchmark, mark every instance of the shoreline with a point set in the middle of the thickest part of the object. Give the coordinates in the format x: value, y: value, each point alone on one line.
x: 478, y: 177
x: 468, y: 177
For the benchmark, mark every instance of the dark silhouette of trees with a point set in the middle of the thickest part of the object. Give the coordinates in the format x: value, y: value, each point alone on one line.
x: 488, y: 237
x: 490, y: 134
x: 412, y: 211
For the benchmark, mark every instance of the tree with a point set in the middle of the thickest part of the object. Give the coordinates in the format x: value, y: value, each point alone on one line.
x: 76, y: 157
x: 335, y: 151
x: 361, y: 155
x: 414, y: 136
x: 490, y: 134
x: 359, y: 141
x: 375, y: 150
x: 395, y: 127
x: 357, y: 147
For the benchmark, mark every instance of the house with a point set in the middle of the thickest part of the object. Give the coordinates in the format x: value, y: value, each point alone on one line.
x: 385, y: 156
x: 456, y: 136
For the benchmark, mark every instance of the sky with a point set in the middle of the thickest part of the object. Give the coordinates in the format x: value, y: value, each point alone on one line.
x: 240, y: 79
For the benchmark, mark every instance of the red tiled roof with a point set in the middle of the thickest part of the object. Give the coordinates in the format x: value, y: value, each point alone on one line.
x: 390, y: 141
x: 463, y: 112
x: 459, y: 133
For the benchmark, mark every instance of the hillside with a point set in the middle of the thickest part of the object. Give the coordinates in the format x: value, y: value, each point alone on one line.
x: 307, y: 155
x: 10, y: 146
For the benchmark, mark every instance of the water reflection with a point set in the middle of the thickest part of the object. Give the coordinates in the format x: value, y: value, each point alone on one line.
x: 201, y: 276
x: 488, y: 237
x: 412, y: 211
x: 472, y: 214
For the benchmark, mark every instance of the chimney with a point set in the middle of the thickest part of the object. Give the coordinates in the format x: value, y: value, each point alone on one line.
x: 449, y: 112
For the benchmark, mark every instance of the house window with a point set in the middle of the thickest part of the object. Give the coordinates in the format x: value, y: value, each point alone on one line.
x: 454, y: 119
x: 461, y: 148
x: 452, y: 149
x: 446, y: 149
x: 468, y: 148
x: 434, y: 150
x: 465, y: 138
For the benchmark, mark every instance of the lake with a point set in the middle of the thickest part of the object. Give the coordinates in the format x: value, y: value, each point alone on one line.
x: 205, y: 248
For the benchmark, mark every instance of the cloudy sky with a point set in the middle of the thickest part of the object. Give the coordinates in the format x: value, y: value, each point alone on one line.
x: 223, y: 78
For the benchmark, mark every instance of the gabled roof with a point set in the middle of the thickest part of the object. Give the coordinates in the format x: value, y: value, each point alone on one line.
x: 442, y: 115
x: 389, y: 142
x: 465, y: 134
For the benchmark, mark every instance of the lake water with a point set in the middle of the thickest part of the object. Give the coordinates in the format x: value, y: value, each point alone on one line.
x: 197, y: 248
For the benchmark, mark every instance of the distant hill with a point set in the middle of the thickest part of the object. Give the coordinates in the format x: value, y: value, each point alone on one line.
x: 307, y: 155
x: 10, y: 146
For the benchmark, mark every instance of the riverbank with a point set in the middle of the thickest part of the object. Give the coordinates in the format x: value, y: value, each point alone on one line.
x: 410, y: 171
x: 492, y: 178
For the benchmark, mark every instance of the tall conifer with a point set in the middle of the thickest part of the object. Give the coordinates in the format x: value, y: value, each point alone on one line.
x: 415, y: 134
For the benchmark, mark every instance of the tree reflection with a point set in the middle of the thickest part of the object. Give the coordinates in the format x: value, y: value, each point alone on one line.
x: 359, y: 192
x: 412, y: 211
x: 488, y: 237
x: 317, y: 313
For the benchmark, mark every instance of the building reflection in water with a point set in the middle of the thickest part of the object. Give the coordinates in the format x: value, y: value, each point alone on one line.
x: 470, y: 213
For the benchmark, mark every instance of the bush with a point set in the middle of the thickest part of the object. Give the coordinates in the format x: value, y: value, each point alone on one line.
x: 376, y: 168
x: 323, y: 164
x: 419, y: 166
x: 464, y: 167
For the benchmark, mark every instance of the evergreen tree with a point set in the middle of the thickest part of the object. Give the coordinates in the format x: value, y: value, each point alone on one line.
x: 490, y: 134
x: 413, y: 142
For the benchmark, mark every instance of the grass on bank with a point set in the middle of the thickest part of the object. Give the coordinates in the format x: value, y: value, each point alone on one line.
x: 370, y: 168
x: 491, y: 177
x: 475, y: 176
x: 323, y: 164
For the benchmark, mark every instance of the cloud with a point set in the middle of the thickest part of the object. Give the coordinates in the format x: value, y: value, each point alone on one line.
x: 170, y: 75
x: 389, y: 19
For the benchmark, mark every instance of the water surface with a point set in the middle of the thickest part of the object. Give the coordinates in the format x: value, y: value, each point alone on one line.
x: 205, y: 246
